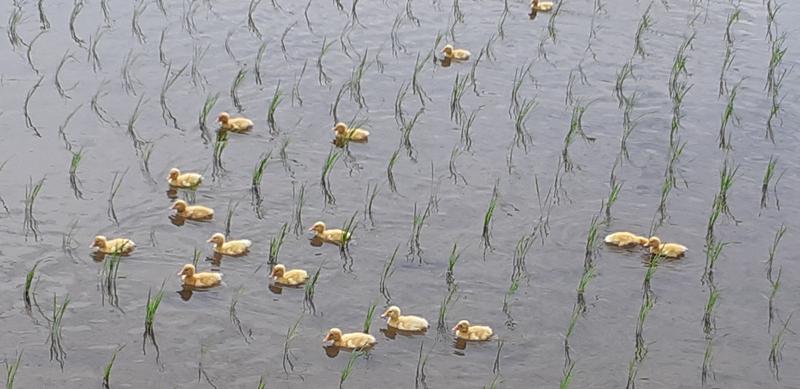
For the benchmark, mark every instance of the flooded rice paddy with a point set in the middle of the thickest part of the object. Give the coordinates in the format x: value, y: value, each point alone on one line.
x: 483, y: 193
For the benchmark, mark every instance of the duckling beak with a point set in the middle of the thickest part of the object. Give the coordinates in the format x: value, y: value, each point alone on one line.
x: 180, y: 273
x: 455, y: 328
x: 383, y: 315
x: 311, y: 228
x: 326, y: 338
x: 92, y: 245
x: 210, y: 241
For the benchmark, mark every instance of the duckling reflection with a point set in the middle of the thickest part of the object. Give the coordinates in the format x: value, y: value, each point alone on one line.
x: 275, y: 288
x: 186, y: 292
x: 460, y: 345
x: 177, y: 220
x: 172, y: 193
x: 98, y: 256
x: 316, y: 241
x: 445, y: 62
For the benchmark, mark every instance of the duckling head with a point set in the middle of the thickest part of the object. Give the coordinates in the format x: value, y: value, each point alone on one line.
x: 448, y: 50
x: 340, y: 128
x: 334, y: 334
x: 318, y: 227
x: 223, y: 117
x: 179, y: 205
x: 173, y: 173
x: 218, y: 239
x: 462, y: 326
x: 187, y: 270
x: 653, y: 242
x: 392, y: 312
x: 278, y: 271
x: 99, y: 241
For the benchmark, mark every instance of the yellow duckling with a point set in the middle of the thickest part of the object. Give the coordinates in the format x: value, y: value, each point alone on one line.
x: 469, y: 332
x: 227, y: 123
x: 114, y: 246
x: 332, y: 236
x: 192, y: 212
x: 669, y: 250
x: 541, y: 6
x: 185, y: 180
x: 234, y: 247
x: 456, y: 54
x: 623, y: 239
x: 291, y: 277
x: 404, y: 323
x: 351, y: 134
x: 199, y: 280
x: 353, y: 340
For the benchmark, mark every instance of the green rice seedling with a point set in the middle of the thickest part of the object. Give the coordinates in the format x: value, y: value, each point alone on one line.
x: 169, y: 80
x: 247, y: 335
x: 726, y: 180
x: 414, y: 246
x: 708, y: 314
x: 296, y: 87
x: 388, y: 270
x: 335, y: 107
x: 56, y: 346
x: 30, y: 49
x: 99, y: 111
x: 76, y: 10
x: 779, y: 233
x: 706, y: 369
x: 466, y: 126
x: 13, y: 22
x: 74, y: 182
x: 566, y: 378
x: 644, y: 25
x: 259, y: 56
x: 713, y: 252
x: 355, y: 80
x: 219, y: 146
x: 32, y: 190
x: 389, y: 167
x: 327, y: 167
x: 487, y: 48
x: 410, y: 13
x: 516, y: 85
x: 486, y: 233
x: 628, y: 125
x: 277, y: 98
x: 107, y: 369
x: 512, y: 289
x: 44, y: 24
x: 27, y: 292
x: 251, y: 22
x: 291, y: 334
x: 188, y: 16
x: 776, y: 285
x: 211, y: 100
x: 472, y: 78
x: 261, y: 383
x: 457, y: 113
x: 275, y: 245
x: 348, y: 368
x: 501, y: 22
x: 613, y: 195
x: 297, y: 215
x: 150, y: 311
x: 622, y: 75
x: 92, y: 55
x: 551, y: 23
x: 26, y: 112
x: 726, y: 65
x: 283, y: 40
x: 162, y: 55
x: 521, y: 135
x: 198, y: 80
x: 369, y: 199
x: 768, y: 175
x: 310, y: 289
x: 591, y: 244
x: 368, y: 319
x: 397, y: 45
x: 11, y: 371
x: 349, y: 228
x: 416, y: 88
x: 129, y: 81
x: 775, y: 79
x: 109, y: 274
x: 406, y: 134
x: 258, y: 170
x: 455, y: 254
x: 116, y: 182
x: 136, y: 30
x: 237, y: 82
x: 776, y: 348
x: 229, y: 216
x: 454, y: 174
x: 323, y: 77
x: 444, y: 306
x: 57, y: 80
x: 727, y: 115
x: 137, y: 141
x: 575, y: 129
x: 196, y: 255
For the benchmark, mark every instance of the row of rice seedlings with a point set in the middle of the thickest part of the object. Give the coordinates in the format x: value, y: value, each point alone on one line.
x: 327, y: 167
x: 25, y: 110
x: 55, y: 338
x: 679, y: 87
x: 136, y: 30
x: 486, y: 232
x: 116, y: 182
x: 109, y: 274
x: 229, y: 216
x: 208, y: 106
x: 733, y: 17
x: 369, y: 199
x: 291, y: 334
x: 727, y: 115
x: 56, y: 77
x: 151, y: 307
x: 389, y: 167
x: 169, y: 80
x: 348, y: 368
x: 776, y: 348
x: 769, y: 174
x: 247, y: 334
x: 310, y: 289
x: 198, y: 80
x: 11, y: 371
x: 645, y: 23
x: 99, y: 111
x: 388, y: 270
x: 275, y: 245
x: 648, y: 302
x: 775, y: 77
x: 457, y: 113
x: 109, y: 366
x: 277, y: 98
x: 30, y: 224
x: 414, y: 246
x: 76, y: 10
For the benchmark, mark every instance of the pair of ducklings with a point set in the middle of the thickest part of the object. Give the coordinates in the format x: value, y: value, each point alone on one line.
x: 625, y: 239
x: 241, y: 124
x: 410, y: 323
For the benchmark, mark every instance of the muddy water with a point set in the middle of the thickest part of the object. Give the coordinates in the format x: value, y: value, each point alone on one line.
x: 198, y: 337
